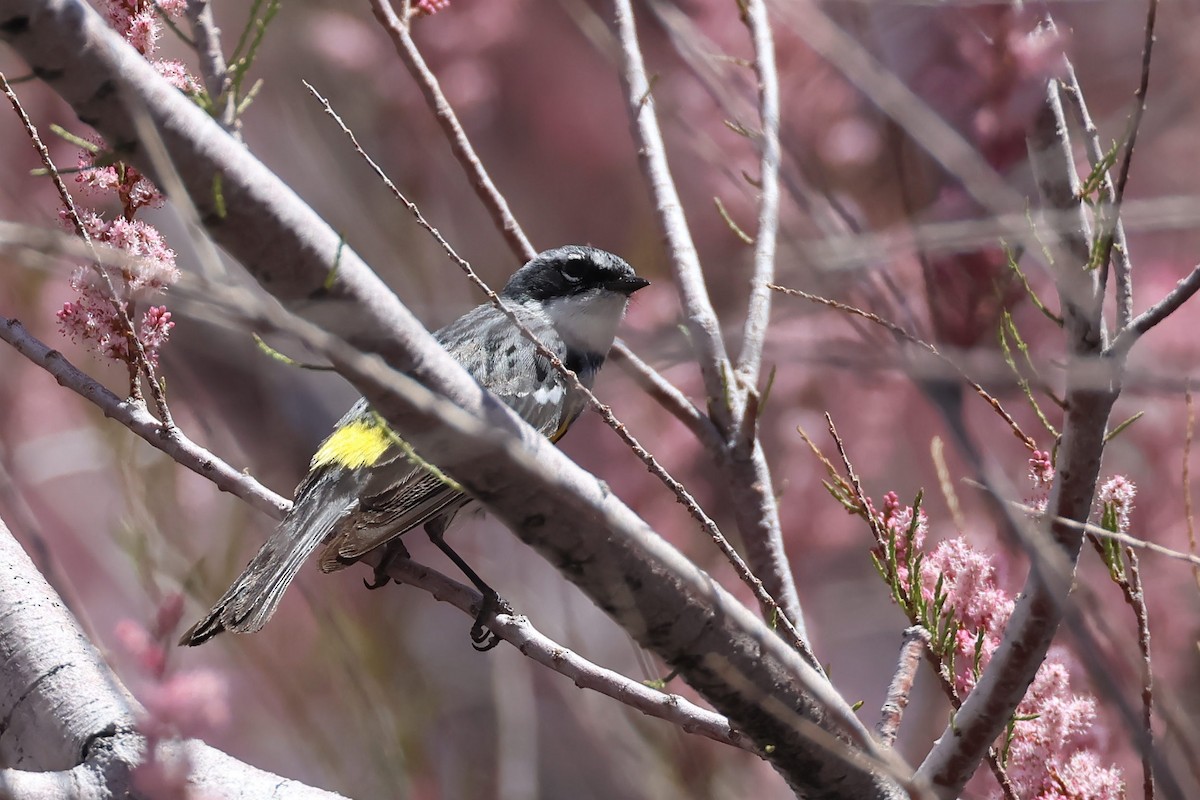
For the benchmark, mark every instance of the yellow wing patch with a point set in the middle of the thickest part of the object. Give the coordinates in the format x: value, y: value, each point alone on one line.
x: 355, y: 445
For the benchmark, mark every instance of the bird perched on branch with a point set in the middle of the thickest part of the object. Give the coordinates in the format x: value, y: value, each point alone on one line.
x: 365, y: 487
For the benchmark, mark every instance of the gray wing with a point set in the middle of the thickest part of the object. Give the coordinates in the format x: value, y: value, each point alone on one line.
x: 401, y: 496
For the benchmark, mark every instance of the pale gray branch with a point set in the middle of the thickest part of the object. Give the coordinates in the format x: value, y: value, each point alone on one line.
x: 758, y: 312
x: 69, y: 724
x: 704, y: 328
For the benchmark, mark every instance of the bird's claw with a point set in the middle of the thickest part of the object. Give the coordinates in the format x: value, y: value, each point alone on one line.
x: 482, y: 637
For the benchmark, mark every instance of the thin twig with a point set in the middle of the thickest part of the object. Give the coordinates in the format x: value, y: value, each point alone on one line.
x: 758, y: 312
x: 206, y: 38
x: 671, y: 398
x: 1175, y: 298
x: 1122, y: 266
x: 1104, y: 533
x: 899, y: 332
x: 485, y: 189
x: 868, y: 510
x: 1135, y: 596
x: 521, y: 634
x: 916, y: 639
x: 1131, y: 135
x: 1188, y: 514
x: 937, y: 451
x: 137, y: 419
x: 141, y: 361
x: 682, y: 495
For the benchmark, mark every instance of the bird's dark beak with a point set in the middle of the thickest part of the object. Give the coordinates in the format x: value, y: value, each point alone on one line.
x: 627, y: 285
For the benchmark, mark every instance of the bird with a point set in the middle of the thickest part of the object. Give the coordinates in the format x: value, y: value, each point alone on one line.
x: 365, y: 487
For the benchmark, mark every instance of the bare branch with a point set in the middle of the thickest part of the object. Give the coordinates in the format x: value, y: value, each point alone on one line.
x: 1041, y: 606
x: 485, y: 189
x: 520, y: 633
x: 916, y: 639
x: 69, y: 723
x: 703, y: 327
x: 134, y: 416
x: 1110, y: 221
x: 1164, y: 308
x: 758, y: 312
x: 1125, y: 294
x: 213, y: 69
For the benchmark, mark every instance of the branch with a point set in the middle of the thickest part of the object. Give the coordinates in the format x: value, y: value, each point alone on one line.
x: 758, y: 313
x: 492, y: 200
x: 704, y: 329
x: 520, y: 633
x: 1164, y: 308
x: 213, y: 69
x: 1122, y: 266
x: 69, y: 726
x: 1125, y: 291
x: 134, y: 416
x: 916, y: 639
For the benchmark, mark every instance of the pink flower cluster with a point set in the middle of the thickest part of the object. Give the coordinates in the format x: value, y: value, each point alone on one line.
x: 140, y: 23
x: 1051, y: 754
x: 184, y: 704
x: 93, y: 317
x: 897, y: 521
x: 1118, y: 492
x: 133, y: 188
x: 1041, y: 474
x: 430, y: 7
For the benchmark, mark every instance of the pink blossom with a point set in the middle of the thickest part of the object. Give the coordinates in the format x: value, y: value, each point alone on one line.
x: 188, y: 703
x: 154, y: 331
x: 177, y: 75
x: 430, y: 7
x: 139, y: 644
x: 1118, y: 493
x: 1054, y: 725
x: 1041, y: 473
x: 1041, y: 469
x: 133, y: 188
x: 897, y: 521
x: 143, y: 31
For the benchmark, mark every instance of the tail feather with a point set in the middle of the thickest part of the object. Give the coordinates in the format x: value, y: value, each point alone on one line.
x: 252, y: 599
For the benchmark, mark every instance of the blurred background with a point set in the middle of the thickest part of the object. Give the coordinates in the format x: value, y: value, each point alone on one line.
x: 379, y: 694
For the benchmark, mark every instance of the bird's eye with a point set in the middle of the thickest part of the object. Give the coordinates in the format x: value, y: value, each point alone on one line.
x: 573, y: 269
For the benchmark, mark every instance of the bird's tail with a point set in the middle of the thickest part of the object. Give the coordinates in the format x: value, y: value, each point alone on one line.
x: 249, y: 603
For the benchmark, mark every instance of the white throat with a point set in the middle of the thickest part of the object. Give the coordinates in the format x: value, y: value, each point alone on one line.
x: 587, y: 322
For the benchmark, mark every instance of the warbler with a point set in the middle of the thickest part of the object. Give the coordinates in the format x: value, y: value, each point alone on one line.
x: 365, y: 488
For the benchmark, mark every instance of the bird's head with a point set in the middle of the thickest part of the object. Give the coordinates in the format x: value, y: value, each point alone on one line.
x: 583, y: 290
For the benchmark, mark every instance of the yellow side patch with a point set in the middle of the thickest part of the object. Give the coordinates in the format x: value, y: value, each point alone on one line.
x: 358, y: 444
